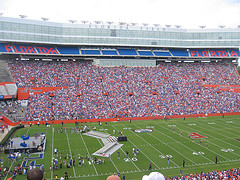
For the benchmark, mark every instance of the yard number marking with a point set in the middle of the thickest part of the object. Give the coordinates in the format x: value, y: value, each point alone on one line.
x: 227, y: 150
x: 198, y: 153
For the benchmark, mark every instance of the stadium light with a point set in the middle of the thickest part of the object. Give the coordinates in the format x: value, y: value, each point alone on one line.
x: 98, y: 22
x: 145, y: 24
x: 221, y: 26
x: 72, y: 21
x: 109, y: 22
x: 22, y: 16
x: 156, y: 25
x: 134, y: 24
x: 202, y: 27
x: 1, y: 14
x: 45, y: 19
x: 122, y: 23
x: 177, y: 26
x: 168, y: 26
x: 84, y: 22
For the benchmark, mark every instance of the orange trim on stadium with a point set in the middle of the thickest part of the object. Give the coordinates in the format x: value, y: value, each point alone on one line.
x: 4, y: 83
x: 234, y: 88
x: 24, y: 93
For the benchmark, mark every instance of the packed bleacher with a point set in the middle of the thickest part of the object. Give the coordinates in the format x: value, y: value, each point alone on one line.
x: 232, y: 174
x: 109, y: 92
x: 47, y: 74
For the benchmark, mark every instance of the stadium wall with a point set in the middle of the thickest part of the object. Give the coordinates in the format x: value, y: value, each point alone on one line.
x: 128, y: 118
x: 233, y: 88
x: 43, y: 50
x: 5, y: 120
x: 25, y: 93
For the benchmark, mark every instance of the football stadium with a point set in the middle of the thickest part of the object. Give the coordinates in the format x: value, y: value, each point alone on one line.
x: 91, y: 100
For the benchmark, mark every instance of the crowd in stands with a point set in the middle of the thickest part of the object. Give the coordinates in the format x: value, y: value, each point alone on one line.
x: 58, y: 74
x: 110, y: 92
x: 47, y: 74
x: 232, y: 174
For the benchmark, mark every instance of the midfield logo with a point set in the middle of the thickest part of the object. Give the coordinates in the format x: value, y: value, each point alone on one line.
x: 195, y: 135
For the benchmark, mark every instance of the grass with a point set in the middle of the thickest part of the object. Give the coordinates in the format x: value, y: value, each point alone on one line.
x: 221, y: 136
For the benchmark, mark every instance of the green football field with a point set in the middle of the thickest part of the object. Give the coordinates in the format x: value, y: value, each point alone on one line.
x: 221, y: 134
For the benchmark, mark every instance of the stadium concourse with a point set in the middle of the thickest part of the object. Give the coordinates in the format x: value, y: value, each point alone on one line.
x: 87, y: 91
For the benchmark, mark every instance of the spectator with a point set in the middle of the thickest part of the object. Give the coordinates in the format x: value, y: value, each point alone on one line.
x: 35, y: 174
x: 178, y: 87
x: 113, y: 177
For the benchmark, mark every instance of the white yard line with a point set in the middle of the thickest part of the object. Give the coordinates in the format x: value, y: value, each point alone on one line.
x: 70, y: 154
x: 8, y: 171
x: 214, y: 138
x: 110, y: 158
x: 222, y: 121
x: 222, y: 135
x: 168, y: 146
x: 88, y: 153
x: 131, y: 161
x: 125, y: 154
x: 219, y: 123
x: 226, y: 119
x: 144, y: 153
x: 130, y: 172
x: 27, y: 130
x: 181, y: 143
x: 207, y: 148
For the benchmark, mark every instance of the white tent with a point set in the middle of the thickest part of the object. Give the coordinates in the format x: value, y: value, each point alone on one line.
x: 153, y: 176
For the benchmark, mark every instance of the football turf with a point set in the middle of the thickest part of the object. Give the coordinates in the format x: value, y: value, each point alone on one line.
x: 221, y: 136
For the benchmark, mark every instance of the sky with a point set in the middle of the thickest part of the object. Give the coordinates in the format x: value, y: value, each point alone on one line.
x: 186, y: 13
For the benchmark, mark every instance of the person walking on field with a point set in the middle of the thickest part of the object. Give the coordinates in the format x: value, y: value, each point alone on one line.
x: 66, y: 175
x: 150, y: 166
x: 82, y: 162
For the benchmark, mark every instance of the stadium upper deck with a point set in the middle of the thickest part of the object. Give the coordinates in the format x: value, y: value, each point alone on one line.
x: 32, y: 39
x: 33, y: 31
